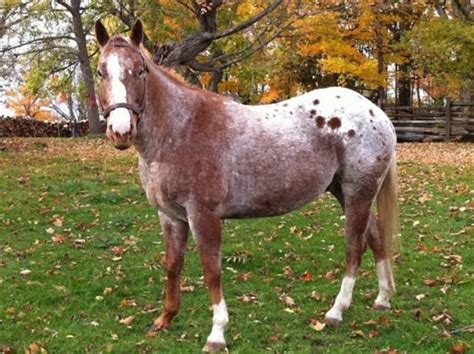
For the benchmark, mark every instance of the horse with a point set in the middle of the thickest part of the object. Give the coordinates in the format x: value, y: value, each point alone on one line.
x: 204, y: 158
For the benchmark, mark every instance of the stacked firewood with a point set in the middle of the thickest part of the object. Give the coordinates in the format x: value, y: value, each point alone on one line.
x: 28, y: 127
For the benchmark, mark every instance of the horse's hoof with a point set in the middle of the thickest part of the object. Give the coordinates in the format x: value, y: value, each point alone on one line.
x: 155, y: 328
x: 212, y: 347
x: 332, y: 322
x: 381, y: 306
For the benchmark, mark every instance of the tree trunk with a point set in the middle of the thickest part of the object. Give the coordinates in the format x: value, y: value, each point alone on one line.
x: 404, y: 97
x: 379, y: 52
x: 92, y: 109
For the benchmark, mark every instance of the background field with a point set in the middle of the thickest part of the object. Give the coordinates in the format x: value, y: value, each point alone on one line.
x: 80, y: 253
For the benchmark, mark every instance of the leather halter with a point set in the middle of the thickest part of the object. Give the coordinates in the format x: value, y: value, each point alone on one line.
x: 135, y: 108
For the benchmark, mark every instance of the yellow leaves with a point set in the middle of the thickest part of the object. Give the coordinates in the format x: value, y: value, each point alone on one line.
x: 247, y: 9
x: 270, y: 96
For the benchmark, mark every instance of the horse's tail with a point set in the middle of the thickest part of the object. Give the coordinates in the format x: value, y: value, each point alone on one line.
x: 387, y: 205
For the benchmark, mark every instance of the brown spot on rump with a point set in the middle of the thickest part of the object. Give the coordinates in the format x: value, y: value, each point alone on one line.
x: 371, y: 113
x: 316, y: 101
x: 334, y: 123
x: 320, y: 121
x: 312, y: 113
x: 351, y: 133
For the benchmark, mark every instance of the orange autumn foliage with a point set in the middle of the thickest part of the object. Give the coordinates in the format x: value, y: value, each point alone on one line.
x: 25, y: 104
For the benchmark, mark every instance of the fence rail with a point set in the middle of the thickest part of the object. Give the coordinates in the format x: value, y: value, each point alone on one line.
x: 454, y: 121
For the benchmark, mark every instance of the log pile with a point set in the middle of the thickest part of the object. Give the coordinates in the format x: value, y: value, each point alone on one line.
x: 28, y: 127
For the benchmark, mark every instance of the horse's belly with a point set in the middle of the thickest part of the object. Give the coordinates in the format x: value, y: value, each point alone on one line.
x: 275, y: 191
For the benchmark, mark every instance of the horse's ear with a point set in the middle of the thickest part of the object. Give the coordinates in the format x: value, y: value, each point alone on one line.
x: 137, y: 33
x: 101, y: 33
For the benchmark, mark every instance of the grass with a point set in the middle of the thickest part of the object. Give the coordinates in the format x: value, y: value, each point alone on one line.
x: 80, y: 250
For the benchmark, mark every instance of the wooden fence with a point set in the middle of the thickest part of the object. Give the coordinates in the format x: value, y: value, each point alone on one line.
x: 455, y: 121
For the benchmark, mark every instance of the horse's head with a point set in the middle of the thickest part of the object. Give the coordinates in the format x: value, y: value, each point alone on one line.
x: 122, y: 74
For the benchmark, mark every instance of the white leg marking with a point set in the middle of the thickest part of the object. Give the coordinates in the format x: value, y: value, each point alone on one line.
x: 119, y: 118
x: 386, y: 284
x: 343, y: 299
x: 219, y: 323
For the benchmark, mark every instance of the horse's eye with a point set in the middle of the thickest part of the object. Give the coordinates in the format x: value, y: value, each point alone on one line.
x: 142, y: 72
x: 99, y: 73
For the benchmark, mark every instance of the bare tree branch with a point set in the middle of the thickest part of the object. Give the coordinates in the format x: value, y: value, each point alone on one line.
x: 47, y: 39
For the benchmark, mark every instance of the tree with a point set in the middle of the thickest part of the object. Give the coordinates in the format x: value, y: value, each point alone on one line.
x: 442, y: 50
x: 75, y: 11
x: 190, y: 36
x: 25, y: 104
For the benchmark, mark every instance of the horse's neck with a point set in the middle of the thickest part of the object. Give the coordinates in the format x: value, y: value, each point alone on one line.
x: 168, y: 103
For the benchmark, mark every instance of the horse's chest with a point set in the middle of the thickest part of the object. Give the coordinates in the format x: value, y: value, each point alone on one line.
x: 160, y: 189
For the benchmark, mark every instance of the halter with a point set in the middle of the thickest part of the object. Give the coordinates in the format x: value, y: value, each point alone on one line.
x: 135, y: 108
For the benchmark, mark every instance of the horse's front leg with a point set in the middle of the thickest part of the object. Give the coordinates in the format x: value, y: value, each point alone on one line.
x: 175, y: 233
x: 206, y: 228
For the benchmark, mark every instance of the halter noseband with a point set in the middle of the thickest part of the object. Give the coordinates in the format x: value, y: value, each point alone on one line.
x: 135, y: 108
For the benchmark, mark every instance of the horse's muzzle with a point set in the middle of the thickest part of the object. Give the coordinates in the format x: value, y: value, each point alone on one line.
x: 122, y: 141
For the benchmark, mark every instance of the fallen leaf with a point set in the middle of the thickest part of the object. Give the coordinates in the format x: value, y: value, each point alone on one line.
x: 316, y: 295
x: 288, y: 271
x: 58, y: 238
x: 35, y: 348
x: 429, y: 282
x: 445, y: 334
x: 459, y: 348
x: 383, y: 320
x: 316, y: 325
x: 420, y: 297
x: 370, y: 323
x: 25, y: 272
x: 358, y: 333
x: 128, y: 303
x: 330, y: 275
x: 127, y: 321
x: 117, y: 250
x: 306, y: 276
x: 373, y: 333
x: 58, y: 222
x: 287, y: 300
x: 244, y: 276
x: 186, y: 288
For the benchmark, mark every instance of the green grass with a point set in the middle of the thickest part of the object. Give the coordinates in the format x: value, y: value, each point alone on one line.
x: 76, y: 292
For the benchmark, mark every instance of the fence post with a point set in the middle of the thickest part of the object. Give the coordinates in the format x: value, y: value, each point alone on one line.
x: 448, y: 119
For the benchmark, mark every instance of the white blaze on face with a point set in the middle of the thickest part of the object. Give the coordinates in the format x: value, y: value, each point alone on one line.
x: 120, y: 118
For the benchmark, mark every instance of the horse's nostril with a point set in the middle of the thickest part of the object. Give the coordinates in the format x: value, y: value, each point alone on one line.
x: 110, y: 128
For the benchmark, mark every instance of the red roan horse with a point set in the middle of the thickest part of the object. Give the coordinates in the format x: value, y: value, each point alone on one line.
x: 204, y: 158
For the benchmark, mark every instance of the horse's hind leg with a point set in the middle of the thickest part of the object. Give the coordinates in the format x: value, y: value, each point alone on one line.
x: 384, y: 266
x: 206, y: 229
x: 357, y: 210
x: 175, y: 233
